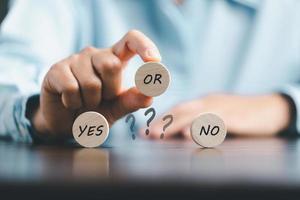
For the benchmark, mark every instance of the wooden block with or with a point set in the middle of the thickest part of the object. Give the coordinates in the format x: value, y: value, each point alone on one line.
x: 208, y: 130
x: 152, y: 79
x: 90, y: 129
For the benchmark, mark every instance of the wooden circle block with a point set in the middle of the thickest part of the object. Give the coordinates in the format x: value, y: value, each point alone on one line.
x: 152, y: 79
x: 90, y: 129
x: 208, y: 130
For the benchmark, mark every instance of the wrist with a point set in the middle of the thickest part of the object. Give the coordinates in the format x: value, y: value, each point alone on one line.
x: 35, y: 116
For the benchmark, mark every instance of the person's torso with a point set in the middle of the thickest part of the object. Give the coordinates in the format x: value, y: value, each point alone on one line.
x: 244, y: 47
x: 209, y: 46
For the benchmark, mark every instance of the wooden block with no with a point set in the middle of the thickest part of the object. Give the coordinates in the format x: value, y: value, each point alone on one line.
x: 208, y: 130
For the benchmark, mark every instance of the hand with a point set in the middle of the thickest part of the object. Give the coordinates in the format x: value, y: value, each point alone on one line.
x: 91, y: 80
x: 243, y: 115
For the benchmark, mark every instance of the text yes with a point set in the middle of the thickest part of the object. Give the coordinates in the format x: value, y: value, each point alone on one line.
x: 91, y: 130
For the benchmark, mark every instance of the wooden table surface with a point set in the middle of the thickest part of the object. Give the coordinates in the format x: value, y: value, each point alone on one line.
x: 250, y: 168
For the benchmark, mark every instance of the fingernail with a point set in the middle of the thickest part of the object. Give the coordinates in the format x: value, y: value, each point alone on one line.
x: 153, y: 53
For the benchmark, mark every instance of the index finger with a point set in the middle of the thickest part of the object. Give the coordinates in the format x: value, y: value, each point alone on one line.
x: 135, y: 42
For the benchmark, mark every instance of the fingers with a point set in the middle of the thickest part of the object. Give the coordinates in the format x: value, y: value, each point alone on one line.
x: 110, y: 68
x: 186, y: 132
x: 157, y: 127
x: 93, y: 75
x: 89, y: 83
x: 135, y: 42
x: 61, y: 81
x: 183, y: 116
x: 76, y: 81
x: 127, y: 102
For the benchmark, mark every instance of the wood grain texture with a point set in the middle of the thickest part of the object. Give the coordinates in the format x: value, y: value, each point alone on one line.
x: 90, y: 129
x: 152, y: 79
x: 208, y: 130
x: 243, y: 167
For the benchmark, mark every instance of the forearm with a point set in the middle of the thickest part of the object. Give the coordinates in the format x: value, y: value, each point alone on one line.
x: 261, y: 115
x: 265, y: 115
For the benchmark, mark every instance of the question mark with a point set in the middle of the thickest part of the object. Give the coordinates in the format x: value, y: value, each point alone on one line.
x: 170, y: 117
x: 131, y: 116
x: 150, y: 110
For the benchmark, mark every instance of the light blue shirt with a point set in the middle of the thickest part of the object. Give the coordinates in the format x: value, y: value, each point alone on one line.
x: 236, y: 46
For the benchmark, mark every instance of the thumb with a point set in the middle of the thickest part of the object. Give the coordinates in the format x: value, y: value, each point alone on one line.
x: 127, y: 102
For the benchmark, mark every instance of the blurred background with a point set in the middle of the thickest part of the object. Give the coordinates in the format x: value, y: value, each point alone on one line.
x: 3, y: 9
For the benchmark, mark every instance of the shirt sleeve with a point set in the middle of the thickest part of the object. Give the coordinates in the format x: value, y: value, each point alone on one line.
x: 34, y: 35
x: 14, y: 124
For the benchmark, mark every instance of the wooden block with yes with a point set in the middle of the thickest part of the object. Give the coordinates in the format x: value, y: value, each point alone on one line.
x: 152, y: 79
x: 90, y: 129
x: 208, y: 130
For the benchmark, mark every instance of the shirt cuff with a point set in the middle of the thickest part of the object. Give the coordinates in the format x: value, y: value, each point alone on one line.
x: 292, y: 94
x: 15, y: 124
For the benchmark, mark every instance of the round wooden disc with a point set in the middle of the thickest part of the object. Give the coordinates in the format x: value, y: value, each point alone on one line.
x: 152, y: 79
x: 90, y: 129
x: 208, y: 130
